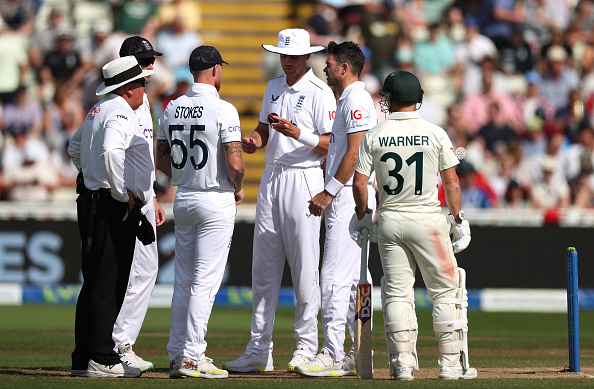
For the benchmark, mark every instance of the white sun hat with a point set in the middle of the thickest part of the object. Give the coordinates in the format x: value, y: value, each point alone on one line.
x: 120, y: 72
x: 293, y: 41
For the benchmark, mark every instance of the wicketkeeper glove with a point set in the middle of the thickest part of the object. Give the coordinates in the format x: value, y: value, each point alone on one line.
x: 460, y: 234
x: 356, y: 225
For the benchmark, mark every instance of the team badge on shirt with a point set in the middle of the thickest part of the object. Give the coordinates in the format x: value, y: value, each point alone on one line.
x: 299, y: 103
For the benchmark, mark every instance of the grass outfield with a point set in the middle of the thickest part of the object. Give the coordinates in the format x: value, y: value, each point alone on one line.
x: 523, y: 350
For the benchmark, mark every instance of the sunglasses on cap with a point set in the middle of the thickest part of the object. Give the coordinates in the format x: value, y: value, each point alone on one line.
x: 144, y: 62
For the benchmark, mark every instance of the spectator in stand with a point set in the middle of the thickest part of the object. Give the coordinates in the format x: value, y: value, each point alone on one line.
x: 516, y: 196
x: 63, y: 65
x: 189, y: 10
x: 516, y: 55
x: 19, y: 15
x: 380, y: 32
x: 27, y: 171
x: 475, y: 191
x: 67, y: 172
x: 497, y: 18
x: 582, y: 187
x: 469, y: 52
x: 552, y: 191
x: 177, y: 42
x: 583, y: 18
x: 560, y: 79
x: 14, y: 62
x: 135, y: 17
x: 43, y: 41
x: 571, y: 116
x: 23, y: 113
x: 542, y: 16
x: 534, y: 141
x: 575, y: 153
x: 62, y: 116
x: 532, y: 105
x: 324, y: 26
x: 435, y: 55
x: 183, y: 82
x: 475, y: 108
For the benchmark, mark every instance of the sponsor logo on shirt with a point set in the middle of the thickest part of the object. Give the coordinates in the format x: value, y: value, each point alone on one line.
x: 299, y: 104
x: 274, y: 98
x: 332, y: 115
x: 148, y: 133
x: 121, y: 117
x: 331, y: 137
x: 94, y: 111
x: 356, y: 115
x: 233, y: 128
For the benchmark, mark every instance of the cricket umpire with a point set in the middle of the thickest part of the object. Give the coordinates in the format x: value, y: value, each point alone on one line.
x: 199, y: 147
x: 145, y: 265
x: 115, y: 161
x: 295, y: 124
x: 407, y: 153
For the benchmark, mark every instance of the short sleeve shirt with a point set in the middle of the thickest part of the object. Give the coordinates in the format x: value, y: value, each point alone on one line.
x: 310, y: 105
x: 355, y: 112
x: 196, y: 126
x: 407, y: 153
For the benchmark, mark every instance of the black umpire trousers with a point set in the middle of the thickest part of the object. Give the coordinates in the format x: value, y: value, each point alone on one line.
x: 106, y: 260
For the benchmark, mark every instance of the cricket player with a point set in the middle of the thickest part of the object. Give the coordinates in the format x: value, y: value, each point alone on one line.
x: 407, y: 153
x: 355, y: 115
x: 295, y: 123
x: 145, y: 265
x: 199, y: 147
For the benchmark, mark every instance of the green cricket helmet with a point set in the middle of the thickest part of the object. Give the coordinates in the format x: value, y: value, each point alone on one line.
x: 402, y: 86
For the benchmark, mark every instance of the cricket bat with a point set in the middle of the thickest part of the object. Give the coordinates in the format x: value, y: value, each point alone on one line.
x: 363, y: 353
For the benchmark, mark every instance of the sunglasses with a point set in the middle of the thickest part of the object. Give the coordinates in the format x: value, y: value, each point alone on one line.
x: 144, y: 62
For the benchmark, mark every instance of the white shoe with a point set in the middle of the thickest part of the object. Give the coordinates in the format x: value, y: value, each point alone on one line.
x: 300, y: 356
x: 118, y: 370
x: 348, y: 364
x: 130, y: 358
x: 323, y: 365
x: 174, y: 366
x: 457, y: 373
x: 201, y: 369
x: 250, y: 362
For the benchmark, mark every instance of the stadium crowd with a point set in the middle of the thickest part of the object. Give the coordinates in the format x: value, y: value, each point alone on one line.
x: 510, y: 81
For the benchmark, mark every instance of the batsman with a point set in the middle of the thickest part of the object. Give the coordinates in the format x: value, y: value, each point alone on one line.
x: 407, y: 153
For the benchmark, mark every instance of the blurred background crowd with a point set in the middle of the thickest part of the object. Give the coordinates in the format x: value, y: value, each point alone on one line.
x: 510, y: 81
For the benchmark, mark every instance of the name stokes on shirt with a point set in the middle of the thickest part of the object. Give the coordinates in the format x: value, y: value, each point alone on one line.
x: 188, y: 112
x: 414, y: 140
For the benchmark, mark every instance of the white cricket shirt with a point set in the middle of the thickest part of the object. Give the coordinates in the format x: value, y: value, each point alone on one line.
x: 145, y: 122
x: 196, y: 126
x: 112, y: 152
x: 406, y: 153
x: 310, y: 105
x: 355, y: 112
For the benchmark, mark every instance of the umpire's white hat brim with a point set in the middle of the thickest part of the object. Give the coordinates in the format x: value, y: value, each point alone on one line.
x: 120, y: 72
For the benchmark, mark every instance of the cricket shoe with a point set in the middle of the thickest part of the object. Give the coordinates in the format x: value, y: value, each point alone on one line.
x: 130, y: 358
x: 323, y: 365
x: 99, y: 370
x: 300, y: 356
x: 348, y: 363
x: 201, y: 369
x: 250, y: 362
x: 174, y: 366
x: 457, y: 373
x: 405, y: 373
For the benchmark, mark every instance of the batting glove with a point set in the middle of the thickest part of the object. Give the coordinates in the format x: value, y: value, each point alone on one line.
x: 460, y: 234
x: 356, y: 225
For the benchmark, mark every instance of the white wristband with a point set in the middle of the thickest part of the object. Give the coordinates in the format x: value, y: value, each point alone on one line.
x: 309, y: 140
x: 333, y: 186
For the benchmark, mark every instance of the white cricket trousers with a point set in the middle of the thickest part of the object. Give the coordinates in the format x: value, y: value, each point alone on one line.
x: 285, y: 228
x: 143, y: 276
x: 340, y: 270
x: 204, y: 223
x: 407, y: 240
